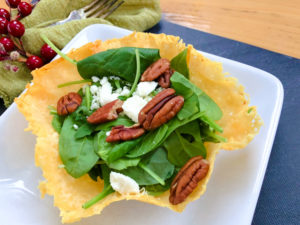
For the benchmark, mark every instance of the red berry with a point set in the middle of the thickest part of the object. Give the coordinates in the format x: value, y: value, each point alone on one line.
x: 13, y: 3
x: 24, y: 8
x: 47, y: 53
x: 3, y: 53
x: 34, y: 62
x: 3, y: 25
x: 7, y: 43
x: 16, y: 28
x: 4, y: 13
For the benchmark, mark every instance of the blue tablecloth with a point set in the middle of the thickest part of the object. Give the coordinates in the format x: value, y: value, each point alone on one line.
x: 279, y: 201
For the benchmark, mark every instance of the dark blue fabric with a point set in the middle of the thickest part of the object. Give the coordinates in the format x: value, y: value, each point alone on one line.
x: 279, y: 201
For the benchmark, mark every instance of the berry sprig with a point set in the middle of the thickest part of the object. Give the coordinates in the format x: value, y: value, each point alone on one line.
x: 11, y: 30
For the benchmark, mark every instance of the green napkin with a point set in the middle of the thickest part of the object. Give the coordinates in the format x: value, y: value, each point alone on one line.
x: 136, y: 15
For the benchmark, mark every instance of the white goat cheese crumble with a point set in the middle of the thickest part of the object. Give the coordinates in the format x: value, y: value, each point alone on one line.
x: 132, y: 106
x: 123, y: 184
x: 95, y: 79
x: 145, y: 88
x: 104, y: 94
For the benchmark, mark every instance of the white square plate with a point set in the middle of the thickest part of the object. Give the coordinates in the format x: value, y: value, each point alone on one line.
x: 231, y: 194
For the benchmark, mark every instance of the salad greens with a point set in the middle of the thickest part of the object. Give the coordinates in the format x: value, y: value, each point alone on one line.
x: 187, y: 89
x: 153, y: 169
x: 57, y: 122
x: 78, y: 155
x: 188, y: 143
x: 179, y: 63
x: 107, y: 189
x: 119, y: 62
x: 153, y: 159
x: 137, y: 76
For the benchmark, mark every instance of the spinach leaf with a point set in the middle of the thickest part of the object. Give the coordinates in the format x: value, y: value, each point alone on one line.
x: 185, y: 88
x: 208, y: 134
x: 211, y: 123
x: 185, y: 143
x: 77, y: 155
x: 110, y: 152
x: 158, y: 189
x: 153, y: 169
x: 123, y: 163
x: 179, y: 63
x: 122, y: 120
x: 176, y: 155
x: 84, y: 130
x: 137, y: 76
x: 120, y: 62
x: 149, y: 142
x: 95, y: 172
x: 107, y: 189
x: 83, y: 110
x: 154, y: 139
x: 189, y: 108
x: 57, y: 122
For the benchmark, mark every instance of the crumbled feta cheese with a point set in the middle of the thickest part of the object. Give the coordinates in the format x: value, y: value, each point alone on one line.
x: 94, y: 89
x: 95, y: 104
x: 95, y: 79
x: 115, y: 78
x: 125, y: 91
x: 104, y: 80
x: 145, y: 88
x: 105, y: 93
x: 132, y: 106
x: 108, y: 133
x: 118, y: 91
x: 123, y: 184
x: 75, y: 126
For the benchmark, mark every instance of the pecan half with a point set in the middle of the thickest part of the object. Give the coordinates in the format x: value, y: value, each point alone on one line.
x: 68, y: 103
x: 164, y: 80
x: 121, y: 133
x: 163, y: 107
x: 187, y: 179
x: 159, y: 70
x: 106, y: 113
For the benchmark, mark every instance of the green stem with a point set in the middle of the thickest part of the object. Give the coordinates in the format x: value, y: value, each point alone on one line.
x: 88, y: 97
x: 74, y: 82
x: 137, y: 76
x: 43, y: 36
x: 106, y: 191
x: 151, y: 173
x: 211, y: 123
x: 117, y: 83
x: 52, y: 110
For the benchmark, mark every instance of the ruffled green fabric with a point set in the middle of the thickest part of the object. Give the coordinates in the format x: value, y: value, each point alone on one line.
x: 136, y: 15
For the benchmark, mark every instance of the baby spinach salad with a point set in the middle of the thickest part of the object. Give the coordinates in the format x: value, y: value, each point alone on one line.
x: 152, y: 159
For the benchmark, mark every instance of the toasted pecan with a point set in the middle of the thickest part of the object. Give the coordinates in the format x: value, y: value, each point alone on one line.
x: 187, y: 179
x: 106, y: 113
x: 121, y: 133
x: 68, y: 103
x: 162, y: 108
x: 156, y: 69
x: 165, y: 80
